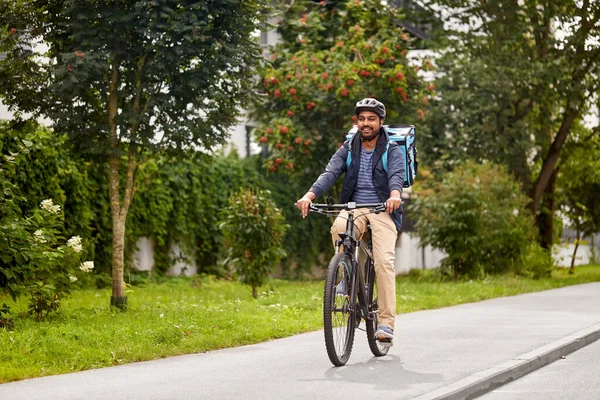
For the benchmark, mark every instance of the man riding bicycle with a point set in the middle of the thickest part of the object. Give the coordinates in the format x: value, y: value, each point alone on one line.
x: 366, y: 181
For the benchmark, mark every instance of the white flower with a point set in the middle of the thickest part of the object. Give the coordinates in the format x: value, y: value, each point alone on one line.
x: 72, y: 278
x: 46, y: 204
x: 515, y: 212
x: 75, y: 244
x: 162, y: 315
x: 87, y: 266
x: 39, y: 236
x: 49, y: 205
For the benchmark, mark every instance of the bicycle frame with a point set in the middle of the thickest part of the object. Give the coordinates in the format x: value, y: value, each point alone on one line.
x: 352, y: 247
x: 349, y: 286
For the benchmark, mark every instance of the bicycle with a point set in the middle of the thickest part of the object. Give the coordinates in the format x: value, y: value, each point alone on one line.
x: 350, y: 293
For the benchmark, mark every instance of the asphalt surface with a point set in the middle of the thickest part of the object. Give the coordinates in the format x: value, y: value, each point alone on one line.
x: 572, y: 377
x: 451, y: 353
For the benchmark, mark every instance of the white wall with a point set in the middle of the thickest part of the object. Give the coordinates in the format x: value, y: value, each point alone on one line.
x: 409, y: 255
x: 238, y: 137
x: 182, y: 264
x: 564, y: 253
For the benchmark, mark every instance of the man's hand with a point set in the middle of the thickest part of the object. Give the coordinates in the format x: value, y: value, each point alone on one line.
x: 305, y: 202
x: 393, y: 202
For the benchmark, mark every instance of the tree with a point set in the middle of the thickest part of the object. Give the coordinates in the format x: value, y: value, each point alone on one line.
x: 253, y: 230
x: 128, y: 80
x: 579, y: 188
x: 516, y: 80
x: 333, y: 54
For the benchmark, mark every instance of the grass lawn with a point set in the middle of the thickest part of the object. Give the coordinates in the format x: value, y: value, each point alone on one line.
x: 194, y: 315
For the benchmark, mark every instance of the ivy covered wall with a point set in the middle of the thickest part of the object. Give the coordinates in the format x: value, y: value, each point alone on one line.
x: 180, y: 206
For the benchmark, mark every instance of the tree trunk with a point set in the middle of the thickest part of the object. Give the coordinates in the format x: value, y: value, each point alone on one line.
x: 119, y: 213
x: 545, y: 218
x: 551, y: 159
x: 118, y: 298
x: 572, y: 269
x: 254, y: 292
x: 572, y: 110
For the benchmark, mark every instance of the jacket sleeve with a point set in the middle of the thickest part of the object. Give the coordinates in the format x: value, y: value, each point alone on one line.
x: 396, y: 167
x: 335, y: 168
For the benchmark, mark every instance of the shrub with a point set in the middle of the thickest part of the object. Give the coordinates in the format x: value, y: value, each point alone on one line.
x: 34, y: 258
x: 478, y: 216
x: 536, y: 262
x: 253, y: 229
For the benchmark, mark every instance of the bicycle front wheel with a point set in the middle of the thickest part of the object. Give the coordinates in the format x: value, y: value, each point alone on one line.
x: 377, y: 348
x: 338, y: 313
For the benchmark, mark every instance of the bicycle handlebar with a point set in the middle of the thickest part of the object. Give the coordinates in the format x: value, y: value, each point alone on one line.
x: 330, y: 209
x: 347, y: 206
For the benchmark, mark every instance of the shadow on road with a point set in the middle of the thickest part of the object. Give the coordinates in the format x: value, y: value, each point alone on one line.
x: 383, y: 373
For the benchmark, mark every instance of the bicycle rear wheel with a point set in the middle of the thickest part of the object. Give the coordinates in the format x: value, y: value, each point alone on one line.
x: 377, y: 348
x: 338, y: 317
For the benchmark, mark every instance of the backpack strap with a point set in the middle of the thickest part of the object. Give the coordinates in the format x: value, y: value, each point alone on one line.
x: 349, y: 158
x: 384, y: 156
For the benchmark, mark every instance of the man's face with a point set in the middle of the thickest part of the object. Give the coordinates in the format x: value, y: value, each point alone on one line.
x: 369, y: 124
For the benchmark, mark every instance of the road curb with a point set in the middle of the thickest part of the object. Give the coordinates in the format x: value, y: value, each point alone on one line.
x: 481, y: 382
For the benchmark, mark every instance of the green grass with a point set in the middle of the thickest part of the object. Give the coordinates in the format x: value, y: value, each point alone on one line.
x: 185, y: 316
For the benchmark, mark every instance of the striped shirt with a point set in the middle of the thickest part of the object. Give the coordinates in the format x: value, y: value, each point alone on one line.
x: 364, y: 192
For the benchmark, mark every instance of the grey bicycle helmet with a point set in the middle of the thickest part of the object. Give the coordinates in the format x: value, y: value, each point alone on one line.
x: 370, y: 104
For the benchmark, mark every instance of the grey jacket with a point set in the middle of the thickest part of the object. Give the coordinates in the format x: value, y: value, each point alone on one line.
x: 383, y: 182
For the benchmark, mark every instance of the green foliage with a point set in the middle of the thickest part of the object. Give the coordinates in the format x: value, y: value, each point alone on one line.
x: 145, y: 78
x: 332, y: 55
x: 506, y: 83
x: 179, y: 206
x: 515, y: 82
x: 182, y: 204
x: 34, y: 259
x: 536, y: 262
x: 50, y: 169
x: 5, y: 320
x: 181, y: 68
x: 253, y: 229
x: 308, y: 239
x: 579, y: 184
x: 478, y: 216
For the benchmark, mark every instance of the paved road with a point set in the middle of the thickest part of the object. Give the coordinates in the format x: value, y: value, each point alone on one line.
x: 439, y: 354
x: 574, y: 377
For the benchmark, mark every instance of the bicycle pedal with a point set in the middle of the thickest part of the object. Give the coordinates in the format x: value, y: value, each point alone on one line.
x: 386, y: 344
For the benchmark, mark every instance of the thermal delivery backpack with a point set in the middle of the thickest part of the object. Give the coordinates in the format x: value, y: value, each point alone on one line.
x: 404, y: 136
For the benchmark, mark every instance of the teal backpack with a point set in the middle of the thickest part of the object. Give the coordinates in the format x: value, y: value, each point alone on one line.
x: 404, y: 136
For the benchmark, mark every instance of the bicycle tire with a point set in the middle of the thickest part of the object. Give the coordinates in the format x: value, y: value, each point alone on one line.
x: 378, y: 349
x: 338, y: 319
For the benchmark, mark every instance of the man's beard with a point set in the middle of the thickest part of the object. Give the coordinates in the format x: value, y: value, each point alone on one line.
x: 367, y: 137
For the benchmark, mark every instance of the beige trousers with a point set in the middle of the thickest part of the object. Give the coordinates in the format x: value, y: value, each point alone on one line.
x: 384, y: 235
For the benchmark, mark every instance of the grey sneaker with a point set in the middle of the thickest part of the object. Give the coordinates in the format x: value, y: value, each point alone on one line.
x: 384, y: 334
